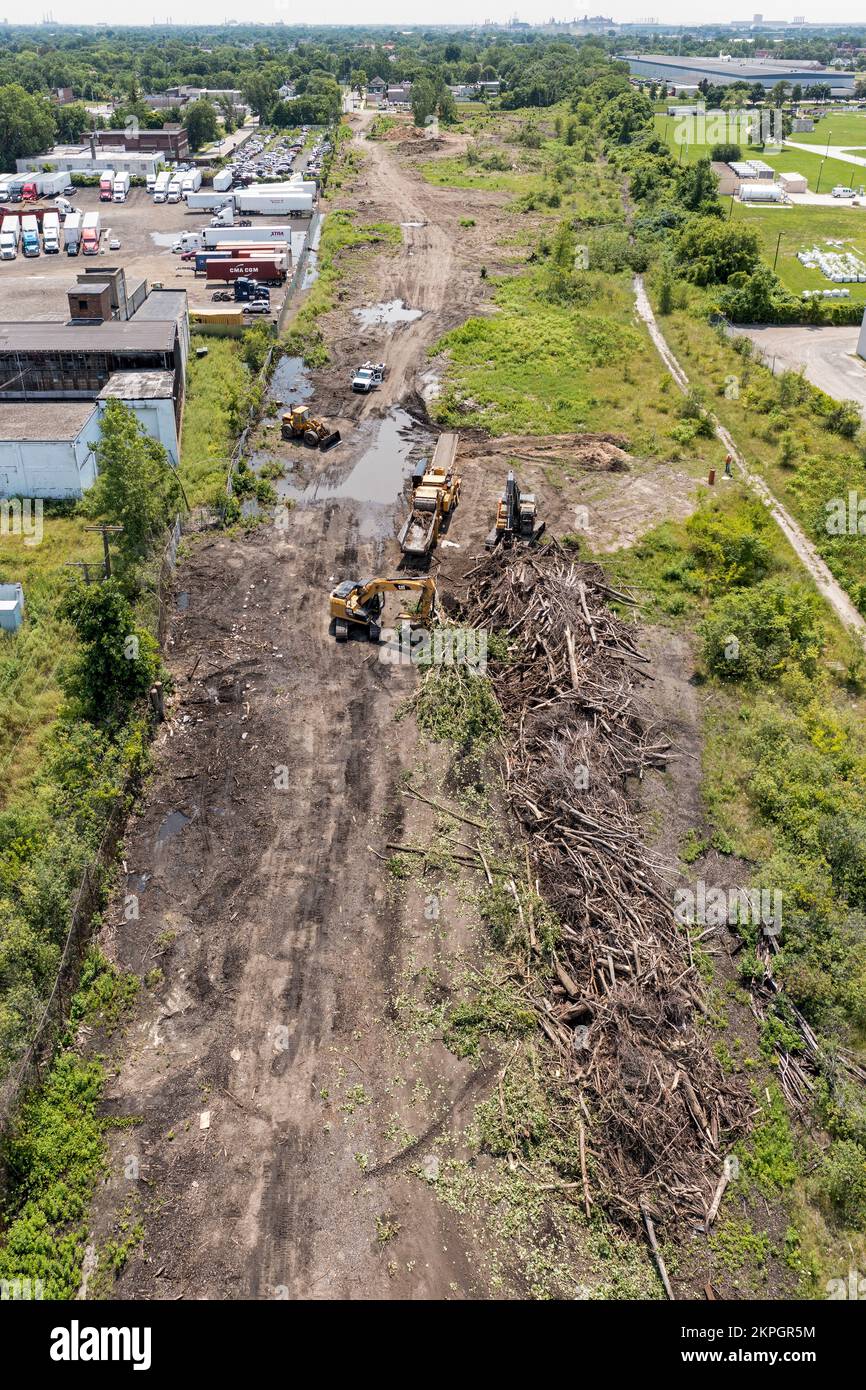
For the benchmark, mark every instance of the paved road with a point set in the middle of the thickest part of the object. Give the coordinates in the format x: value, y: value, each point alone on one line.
x: 827, y: 356
x: 833, y: 152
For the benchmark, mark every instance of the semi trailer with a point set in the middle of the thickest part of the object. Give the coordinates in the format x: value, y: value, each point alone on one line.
x: 72, y: 234
x: 90, y: 234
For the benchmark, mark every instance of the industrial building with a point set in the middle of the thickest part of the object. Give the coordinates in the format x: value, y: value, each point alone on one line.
x: 55, y: 380
x: 723, y: 71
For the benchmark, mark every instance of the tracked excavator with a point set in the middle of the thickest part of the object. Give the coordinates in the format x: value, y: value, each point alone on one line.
x: 358, y: 605
x: 515, y: 517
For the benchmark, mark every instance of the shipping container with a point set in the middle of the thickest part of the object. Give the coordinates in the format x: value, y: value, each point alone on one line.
x: 227, y: 268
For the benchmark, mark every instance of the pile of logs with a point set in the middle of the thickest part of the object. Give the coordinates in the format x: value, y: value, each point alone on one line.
x: 624, y: 1001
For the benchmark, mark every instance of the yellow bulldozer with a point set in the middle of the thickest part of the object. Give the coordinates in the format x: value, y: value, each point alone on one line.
x: 298, y: 422
x: 358, y: 605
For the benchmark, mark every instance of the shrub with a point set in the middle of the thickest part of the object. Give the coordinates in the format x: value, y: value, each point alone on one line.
x: 756, y: 634
x: 840, y: 1185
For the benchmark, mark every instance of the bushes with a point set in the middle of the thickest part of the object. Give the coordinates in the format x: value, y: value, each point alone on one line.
x: 709, y: 251
x: 757, y: 634
x: 731, y: 548
x: 840, y: 1186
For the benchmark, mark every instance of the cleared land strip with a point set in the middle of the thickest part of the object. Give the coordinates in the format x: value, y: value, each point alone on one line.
x: 802, y: 546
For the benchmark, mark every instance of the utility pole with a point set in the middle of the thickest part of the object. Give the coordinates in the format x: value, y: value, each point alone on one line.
x: 80, y: 565
x: 776, y: 257
x: 106, y: 532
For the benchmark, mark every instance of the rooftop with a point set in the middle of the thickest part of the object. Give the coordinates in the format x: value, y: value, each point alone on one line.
x: 139, y: 386
x: 116, y: 336
x: 161, y: 306
x: 757, y: 66
x: 43, y: 420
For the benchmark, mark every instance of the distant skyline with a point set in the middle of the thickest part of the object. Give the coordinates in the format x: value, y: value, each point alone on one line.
x: 407, y: 12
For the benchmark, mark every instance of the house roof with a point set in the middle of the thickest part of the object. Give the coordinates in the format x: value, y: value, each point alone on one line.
x: 116, y: 336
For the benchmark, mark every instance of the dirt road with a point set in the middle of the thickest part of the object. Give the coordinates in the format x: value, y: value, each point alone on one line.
x: 272, y: 938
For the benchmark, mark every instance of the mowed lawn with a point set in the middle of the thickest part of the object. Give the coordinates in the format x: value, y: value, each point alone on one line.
x: 845, y: 128
x: 821, y: 173
x: 803, y: 227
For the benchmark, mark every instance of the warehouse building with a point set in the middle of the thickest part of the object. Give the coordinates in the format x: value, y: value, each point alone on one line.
x: 723, y: 71
x: 56, y: 378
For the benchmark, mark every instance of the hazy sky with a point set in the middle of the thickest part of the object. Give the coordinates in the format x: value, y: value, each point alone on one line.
x: 411, y: 12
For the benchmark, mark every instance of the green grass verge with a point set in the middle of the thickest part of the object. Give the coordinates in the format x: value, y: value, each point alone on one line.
x: 341, y: 234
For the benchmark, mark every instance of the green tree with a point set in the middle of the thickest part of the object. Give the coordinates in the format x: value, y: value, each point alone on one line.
x: 116, y: 662
x: 423, y: 100
x: 136, y: 488
x: 72, y: 121
x: 26, y: 124
x: 200, y: 119
x: 709, y: 251
x: 259, y: 94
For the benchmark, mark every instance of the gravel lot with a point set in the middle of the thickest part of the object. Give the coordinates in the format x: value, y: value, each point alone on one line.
x: 36, y: 289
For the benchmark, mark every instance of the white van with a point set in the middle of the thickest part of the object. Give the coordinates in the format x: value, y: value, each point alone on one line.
x: 842, y: 191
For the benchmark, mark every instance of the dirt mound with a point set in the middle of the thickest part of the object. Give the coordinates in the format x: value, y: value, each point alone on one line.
x: 599, y: 452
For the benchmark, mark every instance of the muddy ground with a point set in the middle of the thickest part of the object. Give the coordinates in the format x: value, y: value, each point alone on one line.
x: 290, y: 1102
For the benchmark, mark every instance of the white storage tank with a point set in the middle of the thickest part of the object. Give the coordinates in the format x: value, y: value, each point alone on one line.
x: 760, y: 193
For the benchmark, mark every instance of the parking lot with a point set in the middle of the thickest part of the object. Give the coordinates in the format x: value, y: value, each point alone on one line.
x: 35, y: 287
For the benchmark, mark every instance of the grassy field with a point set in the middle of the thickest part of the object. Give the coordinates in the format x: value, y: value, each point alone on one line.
x: 216, y: 389
x: 545, y: 368
x: 801, y: 228
x: 788, y: 161
x: 29, y: 690
x: 845, y: 128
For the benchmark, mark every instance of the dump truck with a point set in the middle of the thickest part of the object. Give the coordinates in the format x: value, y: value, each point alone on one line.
x: 298, y: 422
x: 435, y: 494
x: 515, y: 516
x: 356, y: 605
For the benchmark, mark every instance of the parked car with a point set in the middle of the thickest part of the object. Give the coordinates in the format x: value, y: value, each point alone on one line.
x: 69, y: 190
x: 257, y: 306
x: 189, y: 255
x: 114, y: 244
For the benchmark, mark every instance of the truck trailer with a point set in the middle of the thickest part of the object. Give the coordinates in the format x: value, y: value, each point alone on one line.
x: 175, y: 188
x: 280, y: 204
x: 90, y: 234
x: 219, y: 236
x: 191, y: 182
x: 51, y: 233
x: 223, y: 181
x: 208, y: 200
x: 72, y: 234
x: 106, y: 185
x: 160, y: 188
x: 10, y: 233
x: 121, y: 188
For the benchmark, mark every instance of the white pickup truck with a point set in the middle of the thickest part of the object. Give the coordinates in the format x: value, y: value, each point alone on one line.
x: 368, y: 376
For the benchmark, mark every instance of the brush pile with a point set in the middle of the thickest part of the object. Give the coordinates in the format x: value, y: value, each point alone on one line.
x: 624, y: 1000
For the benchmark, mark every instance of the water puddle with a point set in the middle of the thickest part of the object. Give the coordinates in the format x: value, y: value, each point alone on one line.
x: 377, y: 476
x: 165, y: 238
x: 173, y: 824
x: 394, y: 311
x: 290, y: 382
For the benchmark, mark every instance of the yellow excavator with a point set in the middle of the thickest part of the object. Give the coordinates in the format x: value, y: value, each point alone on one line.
x: 356, y: 604
x: 299, y: 423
